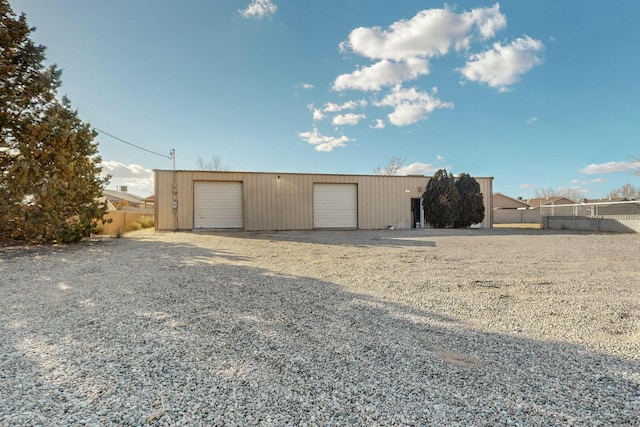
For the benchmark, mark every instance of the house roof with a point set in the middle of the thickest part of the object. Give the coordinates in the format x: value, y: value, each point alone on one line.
x: 120, y: 195
x: 515, y: 202
x: 110, y: 207
x: 608, y: 199
x: 543, y: 201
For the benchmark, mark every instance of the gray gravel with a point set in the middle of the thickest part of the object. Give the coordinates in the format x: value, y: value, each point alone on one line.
x: 422, y: 327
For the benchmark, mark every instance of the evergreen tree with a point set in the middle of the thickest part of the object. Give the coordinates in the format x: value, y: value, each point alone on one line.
x: 440, y: 200
x: 49, y: 174
x: 471, y: 208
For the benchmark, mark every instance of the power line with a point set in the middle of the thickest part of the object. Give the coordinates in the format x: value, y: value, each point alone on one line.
x: 133, y: 145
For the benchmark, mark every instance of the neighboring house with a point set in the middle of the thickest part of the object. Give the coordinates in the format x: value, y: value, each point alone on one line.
x: 549, y: 201
x: 150, y: 201
x: 502, y: 201
x: 124, y: 201
x: 110, y: 207
x: 507, y: 210
x: 547, y: 206
x: 260, y: 201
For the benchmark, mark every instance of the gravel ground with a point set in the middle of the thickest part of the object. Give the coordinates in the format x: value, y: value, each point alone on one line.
x: 422, y: 327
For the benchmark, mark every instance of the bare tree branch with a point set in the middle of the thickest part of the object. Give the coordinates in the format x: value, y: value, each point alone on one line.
x: 392, y: 168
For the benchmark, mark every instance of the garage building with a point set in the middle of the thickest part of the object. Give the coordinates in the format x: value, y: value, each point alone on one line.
x: 260, y: 201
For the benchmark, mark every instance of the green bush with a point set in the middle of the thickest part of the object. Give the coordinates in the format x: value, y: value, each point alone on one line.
x: 452, y: 202
x: 441, y: 200
x: 471, y: 209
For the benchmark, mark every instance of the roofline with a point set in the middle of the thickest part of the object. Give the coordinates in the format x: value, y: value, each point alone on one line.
x: 308, y: 173
x: 511, y: 198
x: 628, y: 202
x: 123, y: 195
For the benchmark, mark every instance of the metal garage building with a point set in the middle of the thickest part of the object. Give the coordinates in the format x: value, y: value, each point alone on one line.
x: 187, y: 200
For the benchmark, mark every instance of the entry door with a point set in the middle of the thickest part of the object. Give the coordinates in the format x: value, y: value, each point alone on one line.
x: 415, y: 213
x: 217, y: 204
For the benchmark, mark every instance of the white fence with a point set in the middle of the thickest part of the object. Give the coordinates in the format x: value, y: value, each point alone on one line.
x: 592, y: 209
x: 614, y: 217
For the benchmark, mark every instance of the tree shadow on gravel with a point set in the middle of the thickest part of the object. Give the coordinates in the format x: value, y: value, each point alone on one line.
x: 355, y: 238
x: 391, y: 238
x: 143, y: 333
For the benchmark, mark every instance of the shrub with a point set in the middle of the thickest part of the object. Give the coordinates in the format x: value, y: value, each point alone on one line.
x: 471, y: 208
x: 146, y: 221
x: 134, y: 226
x: 452, y: 202
x: 441, y: 200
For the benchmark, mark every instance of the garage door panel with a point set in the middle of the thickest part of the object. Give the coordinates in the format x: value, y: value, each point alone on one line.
x: 335, y: 206
x: 217, y: 205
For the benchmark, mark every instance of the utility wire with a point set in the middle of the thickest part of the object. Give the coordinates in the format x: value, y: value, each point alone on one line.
x: 133, y: 145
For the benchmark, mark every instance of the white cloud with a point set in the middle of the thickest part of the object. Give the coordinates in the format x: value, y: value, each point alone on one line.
x: 378, y: 125
x: 411, y: 105
x: 120, y: 170
x: 532, y: 120
x: 440, y: 158
x: 318, y: 114
x: 610, y: 167
x: 138, y: 178
x: 330, y: 107
x: 259, y: 9
x: 527, y: 186
x: 587, y: 182
x: 406, y: 50
x: 307, y: 86
x: 348, y: 119
x: 489, y: 20
x: 502, y: 66
x: 382, y: 73
x: 323, y: 142
x: 430, y: 33
x: 418, y: 168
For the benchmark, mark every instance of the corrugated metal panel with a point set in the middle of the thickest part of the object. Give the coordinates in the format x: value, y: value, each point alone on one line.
x: 217, y: 205
x: 335, y: 206
x: 486, y: 187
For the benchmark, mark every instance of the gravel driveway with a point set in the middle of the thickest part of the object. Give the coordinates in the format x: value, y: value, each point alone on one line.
x: 422, y: 327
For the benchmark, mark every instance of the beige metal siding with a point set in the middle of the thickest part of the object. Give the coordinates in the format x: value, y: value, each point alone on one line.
x: 486, y: 187
x: 163, y: 183
x: 273, y: 201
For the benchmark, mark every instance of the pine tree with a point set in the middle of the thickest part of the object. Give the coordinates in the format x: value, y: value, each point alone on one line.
x: 49, y: 175
x: 440, y: 200
x: 471, y: 208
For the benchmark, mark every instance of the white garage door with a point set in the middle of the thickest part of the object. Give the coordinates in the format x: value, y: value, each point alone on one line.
x: 217, y: 205
x: 335, y: 206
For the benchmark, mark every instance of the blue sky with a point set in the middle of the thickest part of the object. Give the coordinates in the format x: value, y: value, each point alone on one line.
x: 536, y: 94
